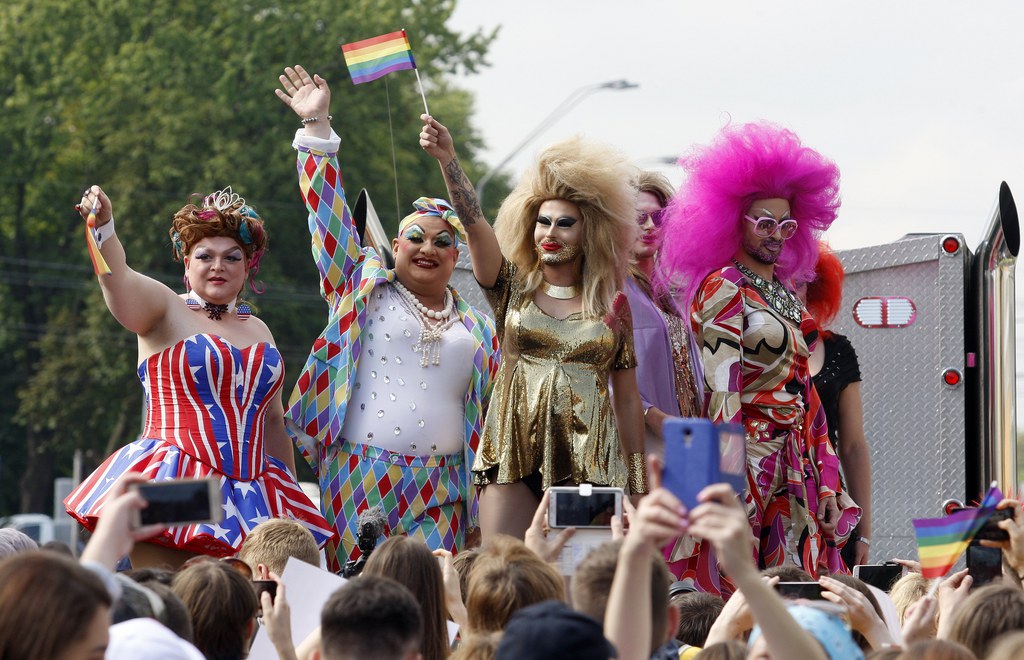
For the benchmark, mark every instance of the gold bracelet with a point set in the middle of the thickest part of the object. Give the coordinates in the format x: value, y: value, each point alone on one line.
x: 637, y: 478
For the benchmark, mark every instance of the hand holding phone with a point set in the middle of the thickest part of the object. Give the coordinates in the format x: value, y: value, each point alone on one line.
x: 586, y: 509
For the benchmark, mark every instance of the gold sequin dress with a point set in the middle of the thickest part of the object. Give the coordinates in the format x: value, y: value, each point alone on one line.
x: 550, y: 411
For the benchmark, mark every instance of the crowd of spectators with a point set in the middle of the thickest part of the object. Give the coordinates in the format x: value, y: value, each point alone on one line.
x: 507, y: 598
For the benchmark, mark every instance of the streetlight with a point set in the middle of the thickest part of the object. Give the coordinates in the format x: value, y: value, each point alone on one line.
x: 565, y: 106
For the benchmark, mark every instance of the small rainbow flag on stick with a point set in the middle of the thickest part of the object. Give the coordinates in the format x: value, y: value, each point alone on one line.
x: 941, y: 541
x: 374, y: 58
x: 99, y: 264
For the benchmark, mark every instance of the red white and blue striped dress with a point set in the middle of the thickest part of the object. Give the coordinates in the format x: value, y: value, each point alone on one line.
x: 206, y: 404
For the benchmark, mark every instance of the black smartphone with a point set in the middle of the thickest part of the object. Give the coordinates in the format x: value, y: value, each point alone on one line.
x: 881, y: 576
x: 984, y: 564
x: 804, y: 590
x: 179, y: 502
x: 269, y: 586
x: 991, y: 530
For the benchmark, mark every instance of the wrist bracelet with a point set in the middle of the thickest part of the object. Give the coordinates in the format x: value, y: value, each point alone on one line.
x: 865, y: 541
x: 647, y: 410
x: 637, y: 475
x: 103, y: 232
x: 310, y: 120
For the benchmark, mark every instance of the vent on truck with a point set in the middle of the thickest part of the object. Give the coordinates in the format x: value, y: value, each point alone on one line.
x: 884, y: 312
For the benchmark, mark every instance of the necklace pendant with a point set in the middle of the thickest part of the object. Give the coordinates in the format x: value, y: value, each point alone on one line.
x: 215, y: 312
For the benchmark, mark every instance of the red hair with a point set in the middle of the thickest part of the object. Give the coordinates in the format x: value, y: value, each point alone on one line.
x: 825, y: 293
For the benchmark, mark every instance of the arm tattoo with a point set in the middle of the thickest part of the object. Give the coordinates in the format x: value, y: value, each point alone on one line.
x: 463, y: 196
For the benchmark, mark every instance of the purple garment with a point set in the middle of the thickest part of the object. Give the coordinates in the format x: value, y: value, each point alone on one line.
x: 655, y: 371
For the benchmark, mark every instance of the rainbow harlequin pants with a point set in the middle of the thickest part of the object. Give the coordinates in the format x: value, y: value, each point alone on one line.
x: 421, y: 495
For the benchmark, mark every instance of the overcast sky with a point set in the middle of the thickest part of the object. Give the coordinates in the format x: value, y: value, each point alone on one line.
x: 920, y: 103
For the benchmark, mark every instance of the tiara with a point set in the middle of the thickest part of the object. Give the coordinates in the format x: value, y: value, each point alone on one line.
x: 223, y: 199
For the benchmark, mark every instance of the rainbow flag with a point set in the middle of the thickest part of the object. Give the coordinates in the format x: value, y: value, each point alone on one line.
x: 941, y: 541
x: 370, y: 59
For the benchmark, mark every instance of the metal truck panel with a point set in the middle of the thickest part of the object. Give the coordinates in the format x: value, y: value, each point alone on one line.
x: 914, y: 422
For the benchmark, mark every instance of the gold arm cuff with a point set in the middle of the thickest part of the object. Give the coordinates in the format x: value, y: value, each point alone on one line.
x: 637, y: 478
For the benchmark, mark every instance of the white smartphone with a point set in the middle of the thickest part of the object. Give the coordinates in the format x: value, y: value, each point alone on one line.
x: 584, y: 506
x: 179, y: 502
x: 587, y: 508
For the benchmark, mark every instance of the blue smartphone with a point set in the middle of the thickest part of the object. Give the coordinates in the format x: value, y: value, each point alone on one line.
x: 698, y: 453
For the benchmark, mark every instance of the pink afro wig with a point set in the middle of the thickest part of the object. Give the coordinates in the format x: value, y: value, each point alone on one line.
x: 825, y: 293
x: 744, y: 163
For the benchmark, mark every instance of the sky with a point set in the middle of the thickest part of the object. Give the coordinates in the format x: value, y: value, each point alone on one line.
x: 920, y: 103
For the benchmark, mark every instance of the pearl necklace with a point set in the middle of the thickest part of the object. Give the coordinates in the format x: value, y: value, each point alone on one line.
x: 431, y: 332
x: 778, y: 297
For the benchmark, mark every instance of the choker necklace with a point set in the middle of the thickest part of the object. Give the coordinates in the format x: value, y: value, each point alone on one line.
x: 778, y: 297
x: 559, y: 292
x: 432, y: 324
x: 216, y: 312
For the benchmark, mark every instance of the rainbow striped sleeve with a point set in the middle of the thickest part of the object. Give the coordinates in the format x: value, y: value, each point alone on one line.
x: 370, y: 59
x: 941, y: 541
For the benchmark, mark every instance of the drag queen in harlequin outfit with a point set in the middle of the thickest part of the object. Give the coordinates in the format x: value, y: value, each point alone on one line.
x: 212, y: 378
x: 566, y: 409
x: 389, y: 406
x: 755, y: 201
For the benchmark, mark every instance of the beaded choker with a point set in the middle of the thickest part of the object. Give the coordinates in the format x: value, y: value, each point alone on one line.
x: 778, y: 297
x: 432, y: 330
x: 216, y: 312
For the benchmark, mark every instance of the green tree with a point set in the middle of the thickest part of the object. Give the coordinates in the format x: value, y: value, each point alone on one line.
x: 155, y: 101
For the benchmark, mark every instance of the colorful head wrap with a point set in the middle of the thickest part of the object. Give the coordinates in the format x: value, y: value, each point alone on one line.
x: 436, y: 207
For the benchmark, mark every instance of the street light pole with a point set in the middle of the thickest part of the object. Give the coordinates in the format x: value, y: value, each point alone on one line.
x: 565, y: 106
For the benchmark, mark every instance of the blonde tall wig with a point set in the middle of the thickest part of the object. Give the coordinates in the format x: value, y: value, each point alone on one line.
x: 597, y: 179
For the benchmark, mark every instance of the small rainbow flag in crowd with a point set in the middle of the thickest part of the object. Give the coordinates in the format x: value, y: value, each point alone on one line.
x: 373, y: 58
x: 941, y: 541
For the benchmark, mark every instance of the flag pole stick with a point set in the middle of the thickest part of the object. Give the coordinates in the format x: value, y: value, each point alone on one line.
x: 422, y: 95
x: 394, y: 161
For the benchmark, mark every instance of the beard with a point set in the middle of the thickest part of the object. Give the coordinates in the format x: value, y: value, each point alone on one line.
x: 566, y: 254
x: 760, y: 253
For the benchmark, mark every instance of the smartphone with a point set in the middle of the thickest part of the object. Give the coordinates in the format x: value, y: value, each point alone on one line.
x: 881, y: 576
x: 587, y: 508
x: 269, y: 586
x: 800, y: 590
x: 584, y: 507
x: 699, y: 453
x: 179, y: 502
x: 984, y: 564
x: 991, y: 530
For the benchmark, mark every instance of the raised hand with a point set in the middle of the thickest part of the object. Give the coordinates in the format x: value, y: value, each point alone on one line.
x: 307, y: 96
x: 94, y: 196
x: 436, y: 140
x: 537, y: 534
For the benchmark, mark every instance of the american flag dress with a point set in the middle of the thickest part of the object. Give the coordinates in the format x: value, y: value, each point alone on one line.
x: 206, y: 405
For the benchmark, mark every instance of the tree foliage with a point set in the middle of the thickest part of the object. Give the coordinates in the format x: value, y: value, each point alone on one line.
x: 156, y: 101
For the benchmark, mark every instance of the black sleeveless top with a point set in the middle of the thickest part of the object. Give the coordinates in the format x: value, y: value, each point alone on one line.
x: 839, y: 370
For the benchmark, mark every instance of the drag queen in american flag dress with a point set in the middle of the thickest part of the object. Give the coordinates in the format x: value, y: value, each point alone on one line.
x: 212, y: 378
